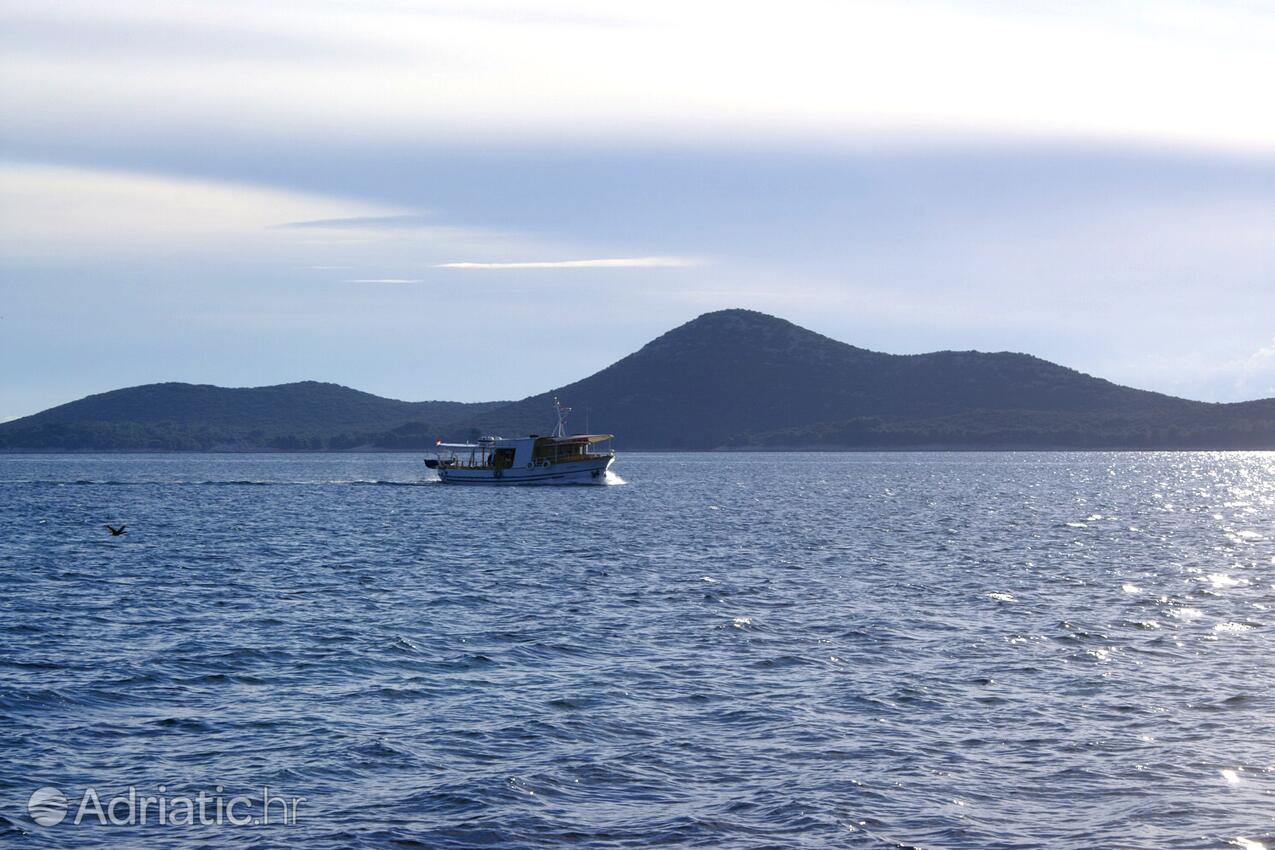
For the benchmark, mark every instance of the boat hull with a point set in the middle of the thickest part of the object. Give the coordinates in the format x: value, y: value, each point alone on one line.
x: 576, y: 472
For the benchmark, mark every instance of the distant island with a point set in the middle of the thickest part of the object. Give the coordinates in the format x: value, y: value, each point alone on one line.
x: 731, y: 379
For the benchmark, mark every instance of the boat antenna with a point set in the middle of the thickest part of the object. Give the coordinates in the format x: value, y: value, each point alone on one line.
x: 563, y: 410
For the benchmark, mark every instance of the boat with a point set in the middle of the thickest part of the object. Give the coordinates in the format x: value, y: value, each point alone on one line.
x: 556, y: 459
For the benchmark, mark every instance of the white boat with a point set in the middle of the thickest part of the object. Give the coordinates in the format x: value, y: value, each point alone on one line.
x: 559, y: 459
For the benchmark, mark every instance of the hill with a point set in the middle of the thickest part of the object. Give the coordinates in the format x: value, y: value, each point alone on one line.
x: 732, y: 378
x: 177, y: 416
x: 741, y: 379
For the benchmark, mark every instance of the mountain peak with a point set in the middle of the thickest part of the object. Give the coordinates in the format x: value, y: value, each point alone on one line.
x: 736, y: 312
x: 737, y: 317
x: 736, y: 321
x: 738, y: 333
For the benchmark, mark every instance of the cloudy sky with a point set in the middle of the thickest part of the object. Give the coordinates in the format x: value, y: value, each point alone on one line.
x: 483, y: 200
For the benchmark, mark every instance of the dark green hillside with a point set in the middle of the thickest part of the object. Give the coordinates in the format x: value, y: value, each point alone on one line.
x: 192, y: 417
x: 307, y: 405
x: 737, y: 372
x: 1024, y: 429
x: 734, y: 378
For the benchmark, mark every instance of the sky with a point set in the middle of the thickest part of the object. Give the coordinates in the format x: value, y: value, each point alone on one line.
x: 484, y: 200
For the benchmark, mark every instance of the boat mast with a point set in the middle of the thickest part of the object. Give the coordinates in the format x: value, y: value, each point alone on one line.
x: 562, y: 417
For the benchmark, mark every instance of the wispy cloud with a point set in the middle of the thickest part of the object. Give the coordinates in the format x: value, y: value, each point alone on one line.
x: 385, y: 280
x: 404, y: 73
x: 361, y: 222
x: 1258, y: 368
x: 69, y: 209
x: 612, y: 263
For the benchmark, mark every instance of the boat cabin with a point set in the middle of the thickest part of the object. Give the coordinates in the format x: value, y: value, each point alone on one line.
x: 531, y: 452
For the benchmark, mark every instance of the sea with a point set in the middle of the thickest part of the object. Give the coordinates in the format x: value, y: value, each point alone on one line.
x: 860, y: 650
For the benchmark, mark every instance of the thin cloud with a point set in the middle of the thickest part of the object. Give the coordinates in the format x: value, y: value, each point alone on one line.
x: 360, y: 222
x: 398, y: 72
x: 613, y: 263
x: 385, y: 280
x: 1258, y: 366
x: 1257, y: 358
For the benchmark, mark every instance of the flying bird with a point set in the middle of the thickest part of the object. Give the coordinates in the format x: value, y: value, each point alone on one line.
x: 116, y: 532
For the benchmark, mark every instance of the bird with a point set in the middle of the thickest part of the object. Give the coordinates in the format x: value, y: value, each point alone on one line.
x: 116, y: 532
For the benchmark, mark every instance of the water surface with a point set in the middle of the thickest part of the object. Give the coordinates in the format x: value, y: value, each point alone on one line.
x: 759, y: 650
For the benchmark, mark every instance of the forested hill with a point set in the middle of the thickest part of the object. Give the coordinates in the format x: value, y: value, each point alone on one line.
x: 741, y: 379
x: 176, y: 416
x: 733, y: 379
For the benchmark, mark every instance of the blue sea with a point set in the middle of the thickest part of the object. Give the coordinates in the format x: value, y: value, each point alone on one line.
x: 1036, y: 650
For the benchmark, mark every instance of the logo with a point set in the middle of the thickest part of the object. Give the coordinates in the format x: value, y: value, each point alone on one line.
x: 47, y: 806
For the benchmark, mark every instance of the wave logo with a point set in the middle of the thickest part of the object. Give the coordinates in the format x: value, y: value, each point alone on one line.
x: 47, y: 806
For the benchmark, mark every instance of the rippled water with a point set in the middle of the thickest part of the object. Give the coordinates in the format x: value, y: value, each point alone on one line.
x: 853, y: 650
